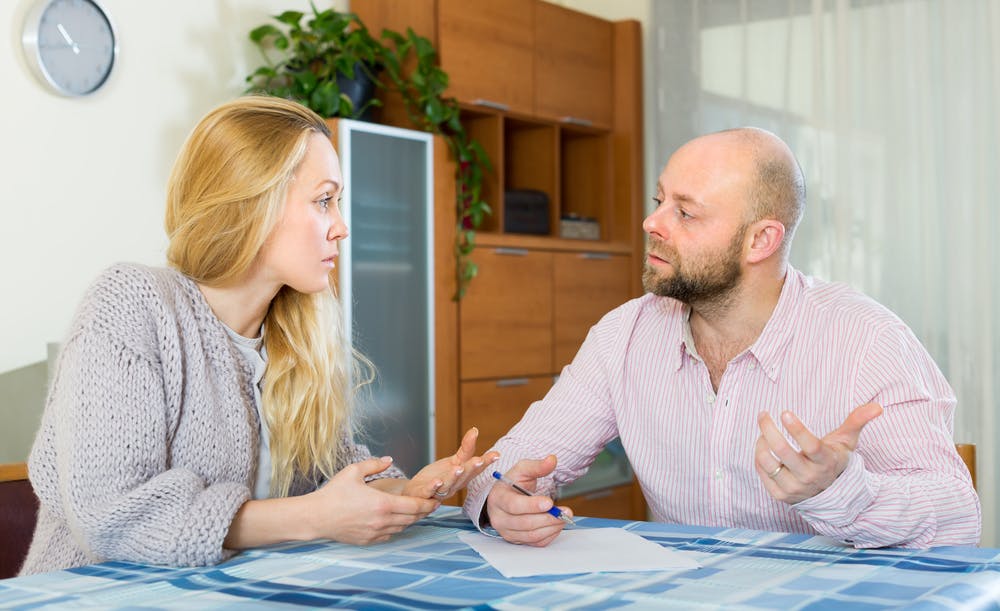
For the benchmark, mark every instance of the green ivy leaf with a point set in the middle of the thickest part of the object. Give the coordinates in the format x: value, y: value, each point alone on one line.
x: 290, y: 17
x: 259, y: 33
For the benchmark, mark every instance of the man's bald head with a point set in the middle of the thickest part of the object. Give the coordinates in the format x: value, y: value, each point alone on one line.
x: 778, y: 190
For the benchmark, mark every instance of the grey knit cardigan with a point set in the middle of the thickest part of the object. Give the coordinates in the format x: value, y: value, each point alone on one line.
x: 148, y: 443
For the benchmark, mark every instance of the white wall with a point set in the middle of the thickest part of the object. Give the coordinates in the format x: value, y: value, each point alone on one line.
x: 83, y: 180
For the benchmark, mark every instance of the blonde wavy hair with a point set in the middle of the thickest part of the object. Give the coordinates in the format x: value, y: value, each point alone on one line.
x: 225, y: 195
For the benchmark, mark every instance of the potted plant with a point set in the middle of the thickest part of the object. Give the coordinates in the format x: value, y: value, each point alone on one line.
x: 314, y: 58
x: 324, y: 63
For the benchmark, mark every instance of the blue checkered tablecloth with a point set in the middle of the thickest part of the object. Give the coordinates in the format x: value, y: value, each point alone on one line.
x: 427, y: 567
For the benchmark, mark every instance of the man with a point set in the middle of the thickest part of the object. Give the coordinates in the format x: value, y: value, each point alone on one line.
x: 730, y: 341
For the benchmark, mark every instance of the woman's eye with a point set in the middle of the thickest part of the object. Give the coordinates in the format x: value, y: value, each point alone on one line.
x: 324, y: 202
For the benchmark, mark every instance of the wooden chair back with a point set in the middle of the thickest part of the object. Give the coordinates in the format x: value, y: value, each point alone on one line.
x: 18, y: 514
x: 968, y: 453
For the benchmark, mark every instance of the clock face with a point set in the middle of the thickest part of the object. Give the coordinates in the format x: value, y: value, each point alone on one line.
x: 71, y: 45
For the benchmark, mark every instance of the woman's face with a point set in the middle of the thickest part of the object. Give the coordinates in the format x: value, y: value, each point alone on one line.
x: 302, y: 249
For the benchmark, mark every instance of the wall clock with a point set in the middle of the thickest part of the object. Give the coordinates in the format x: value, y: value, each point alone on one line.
x: 70, y: 45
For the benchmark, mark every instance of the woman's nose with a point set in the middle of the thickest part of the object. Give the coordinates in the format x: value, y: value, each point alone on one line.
x: 338, y: 229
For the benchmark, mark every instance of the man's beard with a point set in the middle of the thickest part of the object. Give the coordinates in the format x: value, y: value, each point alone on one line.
x: 710, y: 279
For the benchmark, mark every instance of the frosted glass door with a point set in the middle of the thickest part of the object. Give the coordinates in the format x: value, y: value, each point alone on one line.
x: 388, y: 288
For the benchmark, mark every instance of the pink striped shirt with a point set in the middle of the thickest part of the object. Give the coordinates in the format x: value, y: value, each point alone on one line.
x: 826, y: 350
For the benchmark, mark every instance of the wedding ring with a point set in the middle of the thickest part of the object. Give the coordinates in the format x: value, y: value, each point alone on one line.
x: 774, y: 474
x: 441, y: 493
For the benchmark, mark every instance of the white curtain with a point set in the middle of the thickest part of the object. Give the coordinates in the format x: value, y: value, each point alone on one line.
x: 891, y: 107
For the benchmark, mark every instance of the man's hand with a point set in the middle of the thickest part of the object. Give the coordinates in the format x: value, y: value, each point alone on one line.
x: 791, y: 476
x: 523, y: 519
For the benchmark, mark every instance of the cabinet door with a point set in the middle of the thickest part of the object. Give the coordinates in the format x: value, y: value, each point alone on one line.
x: 505, y: 320
x: 573, y: 59
x: 586, y: 287
x: 487, y: 49
x: 494, y: 406
x: 617, y: 503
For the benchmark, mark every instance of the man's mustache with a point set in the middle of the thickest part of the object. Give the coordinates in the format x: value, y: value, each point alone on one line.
x: 658, y: 248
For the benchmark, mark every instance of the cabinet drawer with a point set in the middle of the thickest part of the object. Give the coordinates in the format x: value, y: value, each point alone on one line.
x: 608, y: 503
x: 497, y: 405
x: 505, y: 320
x: 586, y: 287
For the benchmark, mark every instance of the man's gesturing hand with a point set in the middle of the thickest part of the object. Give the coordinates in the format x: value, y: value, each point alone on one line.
x: 791, y: 476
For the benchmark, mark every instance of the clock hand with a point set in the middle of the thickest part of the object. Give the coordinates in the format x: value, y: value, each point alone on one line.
x: 69, y: 41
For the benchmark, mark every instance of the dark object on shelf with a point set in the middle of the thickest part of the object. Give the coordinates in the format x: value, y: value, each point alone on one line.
x: 526, y: 211
x: 579, y: 227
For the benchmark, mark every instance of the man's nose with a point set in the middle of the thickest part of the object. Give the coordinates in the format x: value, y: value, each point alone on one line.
x: 655, y: 224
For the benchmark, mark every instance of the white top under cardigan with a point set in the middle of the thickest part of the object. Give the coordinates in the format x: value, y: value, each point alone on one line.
x: 255, y: 355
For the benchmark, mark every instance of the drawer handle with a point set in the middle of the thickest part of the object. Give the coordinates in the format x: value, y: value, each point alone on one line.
x: 597, y: 256
x: 577, y: 121
x: 600, y: 494
x: 512, y: 382
x: 513, y: 252
x: 491, y: 104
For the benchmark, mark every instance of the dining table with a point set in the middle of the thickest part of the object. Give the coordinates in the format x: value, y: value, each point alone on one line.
x: 427, y: 566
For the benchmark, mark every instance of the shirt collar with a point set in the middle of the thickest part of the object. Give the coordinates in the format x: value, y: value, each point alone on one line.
x: 770, y: 347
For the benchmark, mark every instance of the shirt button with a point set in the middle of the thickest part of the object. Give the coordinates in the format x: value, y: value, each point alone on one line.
x: 710, y: 399
x: 753, y: 366
x: 718, y: 474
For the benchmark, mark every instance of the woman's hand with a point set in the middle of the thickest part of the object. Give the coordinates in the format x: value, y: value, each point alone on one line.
x: 444, y: 478
x: 350, y: 511
x: 345, y: 509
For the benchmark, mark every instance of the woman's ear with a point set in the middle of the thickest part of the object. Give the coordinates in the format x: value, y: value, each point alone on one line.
x: 766, y: 239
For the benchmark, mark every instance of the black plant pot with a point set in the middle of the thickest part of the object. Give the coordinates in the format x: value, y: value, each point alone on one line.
x: 360, y: 90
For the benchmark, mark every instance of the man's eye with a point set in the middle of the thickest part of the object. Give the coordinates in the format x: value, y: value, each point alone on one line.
x: 683, y: 214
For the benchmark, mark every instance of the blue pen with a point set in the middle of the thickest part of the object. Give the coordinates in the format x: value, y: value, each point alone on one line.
x: 554, y: 511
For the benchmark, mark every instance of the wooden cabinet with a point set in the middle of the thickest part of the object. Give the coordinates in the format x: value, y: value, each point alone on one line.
x: 573, y: 66
x: 506, y: 316
x: 496, y: 405
x: 487, y: 49
x: 619, y: 502
x: 586, y: 286
x: 529, y: 311
x: 554, y: 97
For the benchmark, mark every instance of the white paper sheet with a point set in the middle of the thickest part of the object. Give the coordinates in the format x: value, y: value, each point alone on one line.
x: 578, y: 550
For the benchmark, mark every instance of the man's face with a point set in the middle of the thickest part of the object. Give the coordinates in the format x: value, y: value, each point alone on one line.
x: 695, y: 244
x: 705, y: 276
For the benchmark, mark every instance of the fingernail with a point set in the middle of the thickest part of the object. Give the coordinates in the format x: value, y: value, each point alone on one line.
x: 438, y: 484
x: 543, y: 506
x: 459, y: 471
x: 387, y: 459
x: 479, y: 463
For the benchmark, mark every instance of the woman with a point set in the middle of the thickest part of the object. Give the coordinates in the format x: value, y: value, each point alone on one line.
x: 205, y: 408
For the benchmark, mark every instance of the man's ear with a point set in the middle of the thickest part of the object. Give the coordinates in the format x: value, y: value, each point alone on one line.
x: 766, y: 239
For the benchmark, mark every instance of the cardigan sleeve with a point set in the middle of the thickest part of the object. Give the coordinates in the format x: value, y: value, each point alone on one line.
x: 103, y: 462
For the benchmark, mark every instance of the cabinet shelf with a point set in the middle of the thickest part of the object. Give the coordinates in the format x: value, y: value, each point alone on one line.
x: 571, y: 164
x: 514, y: 240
